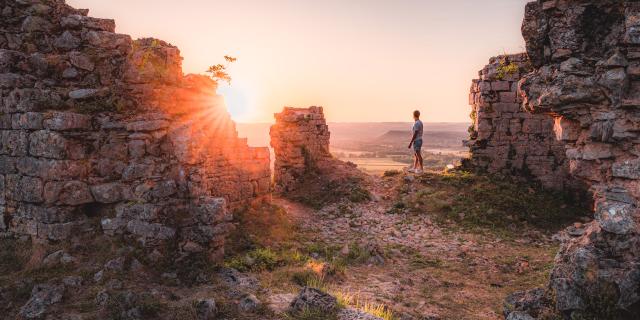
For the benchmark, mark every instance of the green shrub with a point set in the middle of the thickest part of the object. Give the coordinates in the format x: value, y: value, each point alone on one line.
x: 255, y: 260
x: 491, y: 202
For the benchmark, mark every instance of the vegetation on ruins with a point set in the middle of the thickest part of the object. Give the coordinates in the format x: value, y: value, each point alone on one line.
x: 479, y: 202
x: 218, y: 72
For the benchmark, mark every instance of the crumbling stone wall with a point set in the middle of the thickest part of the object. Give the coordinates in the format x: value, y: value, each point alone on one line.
x: 507, y: 139
x: 93, y: 124
x: 586, y: 58
x: 300, y: 139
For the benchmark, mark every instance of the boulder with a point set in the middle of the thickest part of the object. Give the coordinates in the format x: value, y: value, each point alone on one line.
x: 249, y: 303
x: 42, y: 296
x: 206, y: 309
x: 314, y: 299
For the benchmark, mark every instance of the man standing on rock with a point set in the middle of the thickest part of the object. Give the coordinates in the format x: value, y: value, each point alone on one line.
x: 416, y: 141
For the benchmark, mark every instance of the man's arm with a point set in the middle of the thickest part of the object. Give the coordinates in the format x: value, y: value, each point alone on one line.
x: 415, y: 135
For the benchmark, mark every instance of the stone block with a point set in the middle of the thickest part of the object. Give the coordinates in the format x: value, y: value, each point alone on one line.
x: 23, y: 100
x: 12, y: 80
x: 3, y: 225
x: 77, y: 21
x: 5, y: 120
x: 27, y: 189
x: 82, y: 94
x: 107, y: 40
x: 632, y: 24
x: 81, y: 61
x: 140, y: 211
x: 47, y: 144
x: 515, y: 126
x: 51, y: 169
x: 137, y: 148
x: 109, y: 168
x: 616, y: 217
x: 62, y: 121
x: 67, y: 41
x: 566, y: 130
x: 75, y: 193
x: 628, y: 169
x: 150, y: 231
x: 108, y: 192
x: 115, y: 150
x: 136, y: 171
x: 501, y: 86
x: 509, y: 97
x: 164, y: 189
x: 3, y: 189
x: 29, y: 120
x: 484, y: 86
x: 595, y: 151
x: 7, y: 165
x: 506, y: 107
x: 55, y: 231
x: 52, y: 191
x: 43, y: 214
x: 531, y: 126
x: 150, y: 125
x: 14, y: 142
x: 36, y: 24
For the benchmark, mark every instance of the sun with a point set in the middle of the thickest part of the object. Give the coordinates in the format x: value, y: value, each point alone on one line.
x: 238, y: 101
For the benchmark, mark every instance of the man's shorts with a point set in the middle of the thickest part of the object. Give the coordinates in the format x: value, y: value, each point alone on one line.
x: 417, y: 145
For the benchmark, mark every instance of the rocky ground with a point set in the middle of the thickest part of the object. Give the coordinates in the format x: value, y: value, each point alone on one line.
x: 423, y: 248
x: 435, y: 246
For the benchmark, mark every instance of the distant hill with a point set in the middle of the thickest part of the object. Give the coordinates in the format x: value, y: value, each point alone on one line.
x: 397, y: 135
x: 371, y: 131
x: 451, y: 132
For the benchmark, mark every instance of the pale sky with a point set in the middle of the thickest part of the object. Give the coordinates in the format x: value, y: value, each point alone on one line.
x: 363, y: 60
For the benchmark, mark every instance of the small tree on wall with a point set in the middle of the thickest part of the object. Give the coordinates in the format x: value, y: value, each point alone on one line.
x: 219, y: 72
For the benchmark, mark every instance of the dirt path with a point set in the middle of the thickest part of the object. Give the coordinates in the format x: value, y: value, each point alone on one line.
x: 420, y: 269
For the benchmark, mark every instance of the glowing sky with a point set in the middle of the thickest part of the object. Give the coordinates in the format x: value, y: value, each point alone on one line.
x: 363, y: 60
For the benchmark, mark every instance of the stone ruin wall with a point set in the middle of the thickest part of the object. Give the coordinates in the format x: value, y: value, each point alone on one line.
x: 504, y: 137
x: 299, y: 138
x: 586, y: 56
x: 585, y: 59
x: 94, y: 125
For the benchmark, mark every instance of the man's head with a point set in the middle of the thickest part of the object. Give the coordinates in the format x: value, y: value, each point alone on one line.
x: 416, y: 114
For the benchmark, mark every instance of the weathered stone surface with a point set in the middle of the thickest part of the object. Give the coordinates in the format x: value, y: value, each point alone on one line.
x: 629, y: 169
x: 29, y: 120
x: 14, y: 143
x: 67, y: 41
x: 42, y: 296
x: 81, y: 61
x: 35, y: 23
x: 524, y: 302
x: 616, y: 217
x: 75, y: 193
x: 108, y: 193
x: 525, y: 139
x: 150, y: 231
x: 25, y: 189
x: 300, y: 139
x: 67, y: 121
x: 310, y: 298
x: 48, y: 169
x: 586, y: 74
x: 86, y: 121
x: 83, y: 93
x: 47, y: 144
x: 151, y: 125
x: 206, y: 309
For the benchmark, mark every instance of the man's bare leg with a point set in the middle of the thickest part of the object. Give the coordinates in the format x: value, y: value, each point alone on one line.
x: 419, y: 160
